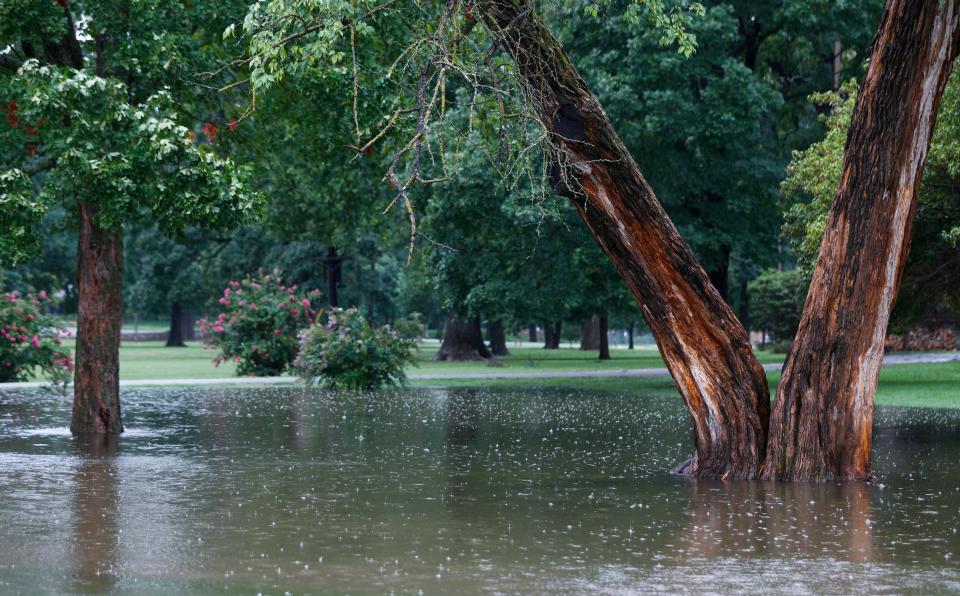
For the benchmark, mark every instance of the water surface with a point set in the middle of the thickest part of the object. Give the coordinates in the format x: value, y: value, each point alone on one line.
x: 531, y: 490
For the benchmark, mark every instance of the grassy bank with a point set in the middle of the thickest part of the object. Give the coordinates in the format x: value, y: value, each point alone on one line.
x: 927, y: 385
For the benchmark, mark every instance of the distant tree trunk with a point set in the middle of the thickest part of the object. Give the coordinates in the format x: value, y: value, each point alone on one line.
x: 602, y: 328
x: 532, y: 333
x: 551, y: 335
x: 498, y: 338
x: 175, y: 335
x: 590, y: 334
x: 187, y: 325
x: 720, y: 275
x: 823, y: 416
x: 745, y: 304
x: 463, y: 340
x: 704, y: 346
x: 630, y: 329
x: 96, y: 401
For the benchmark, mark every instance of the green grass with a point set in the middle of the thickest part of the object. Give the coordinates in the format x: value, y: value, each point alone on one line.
x: 924, y: 385
x: 935, y: 385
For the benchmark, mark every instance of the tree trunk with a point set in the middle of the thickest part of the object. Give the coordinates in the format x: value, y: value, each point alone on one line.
x: 720, y: 275
x: 630, y: 335
x: 745, y: 303
x: 175, y: 335
x: 603, y: 336
x: 589, y: 334
x: 96, y: 401
x: 188, y: 321
x: 704, y: 346
x: 463, y: 340
x: 551, y: 335
x: 532, y: 333
x: 822, y: 423
x: 498, y: 338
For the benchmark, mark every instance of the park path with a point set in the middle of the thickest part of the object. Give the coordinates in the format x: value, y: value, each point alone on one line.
x: 890, y: 359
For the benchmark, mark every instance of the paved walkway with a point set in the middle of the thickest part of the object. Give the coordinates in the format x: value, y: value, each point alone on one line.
x: 891, y: 359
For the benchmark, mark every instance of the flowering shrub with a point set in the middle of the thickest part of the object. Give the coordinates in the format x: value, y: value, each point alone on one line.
x: 346, y: 351
x: 29, y: 340
x: 259, y: 325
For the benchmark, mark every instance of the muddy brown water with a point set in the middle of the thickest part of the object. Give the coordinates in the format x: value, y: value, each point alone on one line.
x: 442, y: 491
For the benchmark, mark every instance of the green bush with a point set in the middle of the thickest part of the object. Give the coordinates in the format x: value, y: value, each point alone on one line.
x: 29, y: 340
x: 260, y: 325
x: 776, y: 302
x: 348, y: 352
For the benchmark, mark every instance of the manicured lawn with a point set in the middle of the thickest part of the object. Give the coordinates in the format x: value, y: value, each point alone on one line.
x: 928, y: 385
x: 934, y: 385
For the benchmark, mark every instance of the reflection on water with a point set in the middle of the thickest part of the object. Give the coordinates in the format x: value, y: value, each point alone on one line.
x: 506, y: 491
x: 96, y: 513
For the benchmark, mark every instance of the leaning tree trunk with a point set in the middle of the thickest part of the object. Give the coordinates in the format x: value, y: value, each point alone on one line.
x: 590, y: 334
x: 551, y: 335
x: 602, y: 328
x: 96, y: 401
x: 175, y: 335
x: 704, y: 346
x: 463, y: 340
x: 822, y: 423
x: 630, y: 330
x: 498, y: 338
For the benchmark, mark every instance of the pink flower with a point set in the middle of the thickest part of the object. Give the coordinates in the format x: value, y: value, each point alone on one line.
x: 276, y: 332
x: 226, y: 292
x: 253, y: 306
x: 224, y: 302
x: 305, y: 303
x: 43, y: 295
x: 36, y: 342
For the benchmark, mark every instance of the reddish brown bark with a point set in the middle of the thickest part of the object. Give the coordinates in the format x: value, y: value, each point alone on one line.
x: 96, y: 402
x: 704, y: 346
x: 822, y: 422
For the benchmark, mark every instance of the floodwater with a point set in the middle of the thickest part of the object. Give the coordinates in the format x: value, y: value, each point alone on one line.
x: 440, y: 491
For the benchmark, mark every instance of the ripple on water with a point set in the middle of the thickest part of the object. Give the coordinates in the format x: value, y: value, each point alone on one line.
x: 500, y: 490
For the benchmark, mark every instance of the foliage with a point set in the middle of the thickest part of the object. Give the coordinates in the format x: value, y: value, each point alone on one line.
x: 776, y: 302
x: 347, y: 351
x: 105, y: 151
x: 30, y: 339
x: 259, y: 325
x: 931, y: 281
x: 813, y: 176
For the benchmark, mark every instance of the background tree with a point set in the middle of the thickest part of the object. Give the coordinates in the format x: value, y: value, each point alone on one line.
x: 92, y: 125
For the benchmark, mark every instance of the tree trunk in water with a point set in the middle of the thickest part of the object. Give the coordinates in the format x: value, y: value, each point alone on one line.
x: 590, y: 334
x: 602, y: 335
x: 463, y: 340
x: 630, y: 335
x: 96, y: 401
x: 532, y: 333
x: 822, y: 423
x: 704, y: 346
x: 551, y: 335
x: 175, y: 335
x: 498, y: 338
